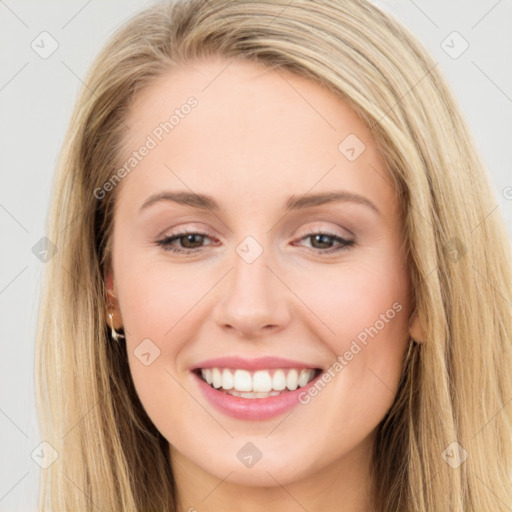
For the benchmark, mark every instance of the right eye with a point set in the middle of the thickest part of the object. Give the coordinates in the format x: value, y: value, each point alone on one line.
x: 190, y: 237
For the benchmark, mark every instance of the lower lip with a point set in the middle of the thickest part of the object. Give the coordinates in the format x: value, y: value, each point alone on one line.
x: 253, y: 409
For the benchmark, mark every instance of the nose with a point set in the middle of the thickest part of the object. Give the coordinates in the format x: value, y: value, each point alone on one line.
x: 255, y: 300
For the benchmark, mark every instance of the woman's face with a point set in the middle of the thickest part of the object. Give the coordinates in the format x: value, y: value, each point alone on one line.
x: 274, y: 270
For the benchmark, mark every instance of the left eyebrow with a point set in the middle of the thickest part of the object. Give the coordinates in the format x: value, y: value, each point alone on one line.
x: 311, y: 200
x: 206, y: 202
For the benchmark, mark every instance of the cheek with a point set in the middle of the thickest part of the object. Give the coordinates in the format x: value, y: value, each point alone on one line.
x: 354, y: 296
x: 157, y: 310
x: 365, y: 306
x: 157, y: 296
x: 368, y: 313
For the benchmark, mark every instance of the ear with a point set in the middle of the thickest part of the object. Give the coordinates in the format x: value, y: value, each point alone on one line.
x: 416, y: 329
x: 109, y: 288
x: 109, y: 282
x: 111, y: 302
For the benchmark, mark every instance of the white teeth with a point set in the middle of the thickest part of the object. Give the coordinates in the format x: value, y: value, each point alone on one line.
x: 227, y: 379
x: 279, y: 380
x: 261, y: 381
x: 207, y: 375
x: 292, y: 380
x: 258, y: 384
x: 217, y: 378
x: 304, y: 377
x: 242, y: 380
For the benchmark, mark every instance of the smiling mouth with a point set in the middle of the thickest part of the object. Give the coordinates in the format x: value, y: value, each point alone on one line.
x: 258, y: 383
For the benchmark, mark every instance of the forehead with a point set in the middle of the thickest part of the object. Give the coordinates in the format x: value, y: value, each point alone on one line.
x: 251, y: 129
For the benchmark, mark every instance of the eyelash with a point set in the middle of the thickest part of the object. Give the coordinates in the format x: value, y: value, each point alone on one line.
x: 165, y: 243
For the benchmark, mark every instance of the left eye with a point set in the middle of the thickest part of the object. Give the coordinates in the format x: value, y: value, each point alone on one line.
x: 327, y: 238
x: 190, y: 239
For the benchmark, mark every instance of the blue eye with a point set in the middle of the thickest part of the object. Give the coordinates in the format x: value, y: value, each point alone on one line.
x: 194, y: 237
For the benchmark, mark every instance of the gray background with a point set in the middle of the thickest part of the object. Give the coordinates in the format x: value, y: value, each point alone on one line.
x: 36, y: 97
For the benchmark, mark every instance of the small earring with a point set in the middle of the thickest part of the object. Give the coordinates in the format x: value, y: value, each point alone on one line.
x: 115, y: 335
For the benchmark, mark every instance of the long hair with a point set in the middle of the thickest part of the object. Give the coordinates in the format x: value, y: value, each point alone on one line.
x: 445, y: 444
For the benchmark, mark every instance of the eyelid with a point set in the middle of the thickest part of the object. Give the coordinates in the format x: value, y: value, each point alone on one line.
x: 183, y: 226
x: 315, y: 229
x: 343, y: 242
x: 319, y: 224
x: 329, y: 232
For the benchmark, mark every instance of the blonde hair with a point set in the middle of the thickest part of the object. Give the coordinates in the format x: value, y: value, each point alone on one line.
x: 455, y: 385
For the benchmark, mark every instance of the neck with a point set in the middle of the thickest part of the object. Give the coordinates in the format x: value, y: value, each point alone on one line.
x: 344, y: 485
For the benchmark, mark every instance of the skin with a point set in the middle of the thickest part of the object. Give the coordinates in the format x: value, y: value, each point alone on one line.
x: 257, y: 137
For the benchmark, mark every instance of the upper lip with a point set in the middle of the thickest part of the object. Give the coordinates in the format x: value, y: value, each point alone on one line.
x: 259, y: 363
